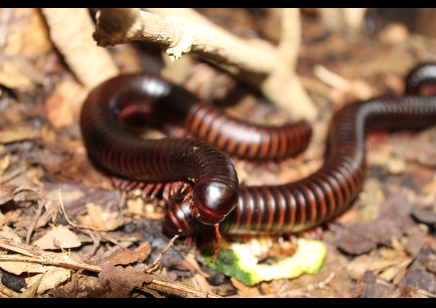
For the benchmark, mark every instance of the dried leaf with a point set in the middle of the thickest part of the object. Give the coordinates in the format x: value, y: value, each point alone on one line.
x: 19, y: 267
x: 80, y: 169
x: 121, y: 280
x: 27, y: 35
x: 394, y: 33
x: 418, y: 278
x: 4, y: 163
x: 58, y: 110
x: 101, y: 220
x: 353, y: 240
x: 31, y: 291
x: 416, y: 239
x: 52, y: 277
x: 12, y: 77
x: 137, y: 206
x: 6, y: 193
x: 364, y: 263
x: 18, y: 134
x: 425, y: 216
x: 391, y: 272
x: 125, y: 256
x: 58, y: 237
x: 244, y: 290
x: 372, y: 289
x: 7, y: 232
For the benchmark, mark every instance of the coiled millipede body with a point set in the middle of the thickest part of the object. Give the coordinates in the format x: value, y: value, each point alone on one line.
x: 307, y: 203
x: 316, y: 199
x: 214, y: 179
x: 215, y: 196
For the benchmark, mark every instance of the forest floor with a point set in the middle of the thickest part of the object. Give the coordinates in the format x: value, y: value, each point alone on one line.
x: 60, y: 215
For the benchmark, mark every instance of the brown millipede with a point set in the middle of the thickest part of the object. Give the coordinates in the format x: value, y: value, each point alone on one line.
x: 215, y: 183
x: 294, y: 207
x: 216, y: 196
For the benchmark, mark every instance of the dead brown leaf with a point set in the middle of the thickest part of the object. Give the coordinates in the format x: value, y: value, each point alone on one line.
x: 4, y: 163
x: 244, y: 290
x: 394, y: 33
x: 100, y: 219
x: 19, y: 267
x: 125, y: 256
x: 59, y: 237
x: 18, y: 134
x: 416, y: 238
x: 370, y: 288
x: 49, y: 213
x: 419, y: 149
x: 119, y: 282
x: 51, y: 278
x: 58, y: 110
x: 137, y: 206
x: 80, y: 169
x: 12, y: 77
x: 418, y: 278
x: 9, y: 233
x: 31, y: 291
x: 28, y: 34
x: 363, y: 263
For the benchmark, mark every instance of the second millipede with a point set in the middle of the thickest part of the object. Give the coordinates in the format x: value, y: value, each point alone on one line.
x: 316, y: 199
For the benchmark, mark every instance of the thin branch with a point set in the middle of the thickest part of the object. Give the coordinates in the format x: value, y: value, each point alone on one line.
x: 9, y: 176
x: 41, y: 204
x: 339, y: 19
x: 178, y: 36
x: 291, y: 36
x: 64, y: 212
x: 168, y: 287
x: 34, y: 255
x: 149, y: 268
x: 255, y: 61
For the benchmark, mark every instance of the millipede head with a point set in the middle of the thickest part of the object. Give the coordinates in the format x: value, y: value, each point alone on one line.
x: 212, y: 202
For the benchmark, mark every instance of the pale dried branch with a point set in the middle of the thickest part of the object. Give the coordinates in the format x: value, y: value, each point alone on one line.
x: 255, y: 61
x: 354, y: 17
x: 291, y: 36
x: 337, y: 19
x: 149, y: 268
x: 71, y: 32
x: 9, y: 176
x: 185, y: 13
x: 332, y: 18
x: 177, y: 36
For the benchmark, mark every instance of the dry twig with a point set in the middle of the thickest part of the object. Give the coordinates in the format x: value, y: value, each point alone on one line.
x: 152, y: 266
x: 255, y: 61
x: 34, y: 255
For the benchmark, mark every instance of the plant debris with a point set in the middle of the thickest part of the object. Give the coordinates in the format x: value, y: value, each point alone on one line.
x: 66, y: 232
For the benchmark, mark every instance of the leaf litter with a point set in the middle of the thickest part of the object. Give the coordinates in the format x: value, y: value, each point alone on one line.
x: 64, y: 231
